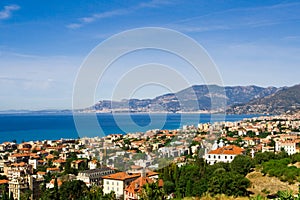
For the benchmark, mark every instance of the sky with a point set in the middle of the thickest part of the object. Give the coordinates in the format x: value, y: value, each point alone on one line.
x: 44, y: 43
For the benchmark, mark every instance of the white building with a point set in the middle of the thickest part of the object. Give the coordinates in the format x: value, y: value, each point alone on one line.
x: 118, y: 182
x: 223, y: 154
x: 288, y: 146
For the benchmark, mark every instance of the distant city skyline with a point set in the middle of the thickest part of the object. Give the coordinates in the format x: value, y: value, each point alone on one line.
x: 43, y: 44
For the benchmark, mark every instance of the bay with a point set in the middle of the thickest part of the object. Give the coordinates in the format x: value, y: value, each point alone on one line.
x: 41, y: 126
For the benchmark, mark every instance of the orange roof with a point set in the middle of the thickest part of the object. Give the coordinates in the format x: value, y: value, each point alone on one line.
x: 231, y: 150
x: 41, y: 173
x: 151, y: 173
x: 78, y: 161
x: 50, y: 156
x: 20, y: 155
x: 53, y: 169
x: 94, y: 161
x: 59, y: 161
x: 121, y: 176
x: 231, y: 139
x: 160, y: 183
x: 21, y: 164
x: 137, y: 185
x: 3, y: 181
x: 24, y: 149
x: 247, y: 138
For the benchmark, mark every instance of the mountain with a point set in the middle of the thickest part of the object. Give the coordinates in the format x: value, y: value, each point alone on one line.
x: 285, y: 100
x: 205, y: 98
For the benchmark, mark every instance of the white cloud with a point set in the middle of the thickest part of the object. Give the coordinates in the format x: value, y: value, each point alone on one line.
x: 7, y: 11
x: 118, y: 12
x: 74, y: 26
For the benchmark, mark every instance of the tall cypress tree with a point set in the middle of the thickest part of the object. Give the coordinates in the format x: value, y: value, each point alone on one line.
x: 56, y: 192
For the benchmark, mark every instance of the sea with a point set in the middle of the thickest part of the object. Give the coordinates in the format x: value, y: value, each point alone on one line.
x: 44, y: 126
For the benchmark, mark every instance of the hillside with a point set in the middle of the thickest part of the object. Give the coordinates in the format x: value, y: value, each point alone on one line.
x: 285, y: 100
x: 193, y: 99
x: 265, y: 185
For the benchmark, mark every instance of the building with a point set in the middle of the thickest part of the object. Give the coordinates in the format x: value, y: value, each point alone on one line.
x: 223, y: 154
x: 288, y: 146
x: 19, y: 185
x: 94, y: 176
x: 93, y: 164
x: 118, y: 182
x: 133, y: 190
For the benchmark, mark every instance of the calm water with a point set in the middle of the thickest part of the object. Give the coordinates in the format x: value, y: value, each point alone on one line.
x: 25, y: 127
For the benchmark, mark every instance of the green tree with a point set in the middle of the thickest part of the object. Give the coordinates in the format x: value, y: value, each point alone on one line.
x: 72, y: 190
x: 25, y: 195
x: 169, y: 187
x: 241, y: 164
x: 56, y: 192
x: 229, y: 183
x: 5, y: 195
x: 152, y: 191
x: 285, y: 195
x: 188, y: 189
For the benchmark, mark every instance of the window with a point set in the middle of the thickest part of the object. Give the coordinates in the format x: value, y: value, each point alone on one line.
x: 231, y: 157
x: 219, y: 157
x: 208, y: 156
x: 112, y: 183
x: 225, y: 157
x: 107, y: 182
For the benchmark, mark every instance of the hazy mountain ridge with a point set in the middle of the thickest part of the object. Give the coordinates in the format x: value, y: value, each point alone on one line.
x: 193, y: 99
x: 287, y: 99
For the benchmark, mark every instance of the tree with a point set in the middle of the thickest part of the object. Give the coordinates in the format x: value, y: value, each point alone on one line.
x: 169, y: 187
x: 263, y: 157
x: 188, y: 189
x: 56, y: 193
x: 152, y: 191
x: 72, y: 190
x: 285, y: 195
x: 229, y: 183
x: 241, y: 164
x: 25, y: 195
x: 4, y: 192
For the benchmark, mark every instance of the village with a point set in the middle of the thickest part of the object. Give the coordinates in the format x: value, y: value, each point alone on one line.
x: 124, y: 163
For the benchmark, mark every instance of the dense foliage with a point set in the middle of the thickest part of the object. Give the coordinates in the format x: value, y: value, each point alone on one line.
x: 75, y: 190
x: 283, y: 168
x: 197, y: 178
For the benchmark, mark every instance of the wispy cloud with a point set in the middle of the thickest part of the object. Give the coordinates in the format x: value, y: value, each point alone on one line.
x: 118, y: 12
x: 7, y: 11
x: 252, y: 17
x: 198, y: 29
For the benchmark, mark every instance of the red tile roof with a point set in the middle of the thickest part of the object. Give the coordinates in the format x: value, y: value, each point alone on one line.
x: 231, y: 150
x: 136, y: 186
x: 121, y: 176
x: 3, y: 182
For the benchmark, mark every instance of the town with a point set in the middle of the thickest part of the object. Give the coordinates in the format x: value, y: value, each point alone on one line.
x: 122, y: 164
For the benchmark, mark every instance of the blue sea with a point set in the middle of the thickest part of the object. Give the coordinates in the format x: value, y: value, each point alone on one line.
x: 32, y: 126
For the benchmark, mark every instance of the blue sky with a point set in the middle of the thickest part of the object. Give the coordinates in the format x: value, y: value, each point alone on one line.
x: 43, y: 43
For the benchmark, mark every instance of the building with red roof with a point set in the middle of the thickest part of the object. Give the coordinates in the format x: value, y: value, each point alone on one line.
x: 223, y: 154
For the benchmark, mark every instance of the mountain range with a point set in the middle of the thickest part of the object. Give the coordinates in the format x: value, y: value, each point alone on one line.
x: 285, y: 100
x: 212, y: 98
